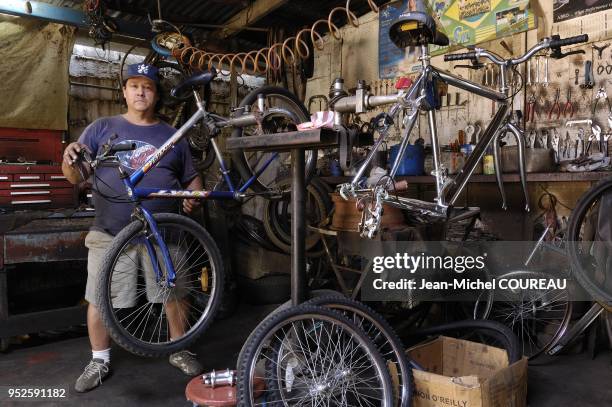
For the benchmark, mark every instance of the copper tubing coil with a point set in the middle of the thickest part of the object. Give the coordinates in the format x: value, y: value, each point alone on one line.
x: 268, y: 58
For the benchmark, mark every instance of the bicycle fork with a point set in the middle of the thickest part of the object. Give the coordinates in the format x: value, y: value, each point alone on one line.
x: 163, y: 248
x: 520, y: 142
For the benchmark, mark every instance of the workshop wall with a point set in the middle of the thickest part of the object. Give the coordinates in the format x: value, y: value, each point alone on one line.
x: 356, y: 57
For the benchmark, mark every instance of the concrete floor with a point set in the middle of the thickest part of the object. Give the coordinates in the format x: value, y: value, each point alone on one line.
x: 573, y: 380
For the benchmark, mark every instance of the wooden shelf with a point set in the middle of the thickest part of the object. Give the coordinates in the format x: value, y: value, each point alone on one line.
x: 533, y: 177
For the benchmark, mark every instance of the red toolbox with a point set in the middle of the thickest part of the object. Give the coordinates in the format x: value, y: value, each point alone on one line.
x: 30, y: 171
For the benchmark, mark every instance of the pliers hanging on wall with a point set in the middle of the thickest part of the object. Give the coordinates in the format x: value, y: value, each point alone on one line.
x: 601, y: 94
x: 568, y: 107
x: 556, y: 107
x: 531, y: 109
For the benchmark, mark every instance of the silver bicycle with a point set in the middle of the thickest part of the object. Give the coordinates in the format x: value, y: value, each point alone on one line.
x: 422, y: 97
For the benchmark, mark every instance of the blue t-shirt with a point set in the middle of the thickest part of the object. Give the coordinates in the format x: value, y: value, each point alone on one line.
x: 174, y: 171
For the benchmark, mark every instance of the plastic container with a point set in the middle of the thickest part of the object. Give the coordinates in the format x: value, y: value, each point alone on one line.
x: 413, y: 162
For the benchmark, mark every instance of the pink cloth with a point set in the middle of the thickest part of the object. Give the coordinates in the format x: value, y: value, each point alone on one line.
x: 318, y: 120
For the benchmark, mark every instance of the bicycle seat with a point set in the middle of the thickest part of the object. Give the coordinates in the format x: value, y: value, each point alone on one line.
x: 198, y: 79
x: 416, y: 28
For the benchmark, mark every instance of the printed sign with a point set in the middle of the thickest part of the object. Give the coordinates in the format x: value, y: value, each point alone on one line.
x: 567, y: 9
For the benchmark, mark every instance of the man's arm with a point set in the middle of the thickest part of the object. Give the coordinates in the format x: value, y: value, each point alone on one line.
x: 71, y: 163
x: 189, y: 205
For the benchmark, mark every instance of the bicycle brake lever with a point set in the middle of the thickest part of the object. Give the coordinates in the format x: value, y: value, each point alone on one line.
x: 557, y: 54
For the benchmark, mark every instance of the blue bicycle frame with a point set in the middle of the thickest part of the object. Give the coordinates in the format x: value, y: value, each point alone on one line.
x: 136, y: 194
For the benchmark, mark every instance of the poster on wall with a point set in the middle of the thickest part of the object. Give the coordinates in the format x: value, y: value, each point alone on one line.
x: 465, y: 22
x: 568, y: 9
x: 469, y: 22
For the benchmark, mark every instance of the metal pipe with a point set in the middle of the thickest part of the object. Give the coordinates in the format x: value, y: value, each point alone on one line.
x: 298, y: 227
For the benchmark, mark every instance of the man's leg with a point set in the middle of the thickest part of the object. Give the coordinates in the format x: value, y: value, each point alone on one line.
x: 99, y: 366
x: 176, y: 307
x: 98, y: 337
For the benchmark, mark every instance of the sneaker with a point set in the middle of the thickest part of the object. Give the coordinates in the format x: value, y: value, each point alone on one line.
x: 186, y: 362
x: 92, y: 376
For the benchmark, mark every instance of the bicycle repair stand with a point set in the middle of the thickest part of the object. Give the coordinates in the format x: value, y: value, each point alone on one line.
x: 296, y: 142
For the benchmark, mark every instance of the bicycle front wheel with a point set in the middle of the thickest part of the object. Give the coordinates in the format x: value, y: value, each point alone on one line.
x: 143, y: 312
x: 589, y: 241
x: 310, y: 355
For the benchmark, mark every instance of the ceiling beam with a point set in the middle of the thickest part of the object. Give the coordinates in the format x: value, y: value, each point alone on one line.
x: 250, y: 15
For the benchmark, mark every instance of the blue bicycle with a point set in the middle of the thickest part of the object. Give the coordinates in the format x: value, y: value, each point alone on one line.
x: 163, y: 277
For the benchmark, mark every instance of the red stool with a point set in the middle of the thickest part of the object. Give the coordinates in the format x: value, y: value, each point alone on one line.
x: 201, y: 395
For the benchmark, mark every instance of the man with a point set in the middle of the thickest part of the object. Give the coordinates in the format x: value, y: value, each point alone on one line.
x: 139, y: 124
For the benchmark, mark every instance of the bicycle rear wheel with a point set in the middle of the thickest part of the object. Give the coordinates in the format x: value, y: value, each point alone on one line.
x: 310, y: 355
x: 247, y: 163
x: 142, y: 313
x: 589, y: 241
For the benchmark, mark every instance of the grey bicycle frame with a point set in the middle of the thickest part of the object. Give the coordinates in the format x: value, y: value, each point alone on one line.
x: 448, y: 189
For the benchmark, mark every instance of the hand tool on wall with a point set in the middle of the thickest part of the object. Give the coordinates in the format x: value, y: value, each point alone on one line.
x: 601, y: 94
x: 530, y: 139
x: 556, y: 107
x: 577, y: 72
x: 567, y: 145
x: 568, y: 107
x: 531, y: 108
x: 600, y: 48
x: 545, y: 83
x: 528, y: 72
x: 555, y: 144
x: 588, y: 75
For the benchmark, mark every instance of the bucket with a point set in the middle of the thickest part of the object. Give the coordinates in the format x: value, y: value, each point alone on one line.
x: 413, y: 162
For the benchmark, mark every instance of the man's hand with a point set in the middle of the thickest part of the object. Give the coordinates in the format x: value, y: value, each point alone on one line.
x: 72, y: 152
x: 73, y: 169
x: 189, y: 205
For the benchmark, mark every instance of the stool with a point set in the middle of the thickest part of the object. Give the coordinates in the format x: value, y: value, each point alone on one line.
x: 201, y: 395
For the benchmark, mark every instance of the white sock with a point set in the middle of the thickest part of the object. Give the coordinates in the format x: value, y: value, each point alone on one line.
x: 101, y: 354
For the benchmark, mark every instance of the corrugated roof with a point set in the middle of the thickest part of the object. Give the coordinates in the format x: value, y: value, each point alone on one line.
x: 292, y: 15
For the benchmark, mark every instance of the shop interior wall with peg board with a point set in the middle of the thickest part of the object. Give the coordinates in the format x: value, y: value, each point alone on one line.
x: 356, y: 57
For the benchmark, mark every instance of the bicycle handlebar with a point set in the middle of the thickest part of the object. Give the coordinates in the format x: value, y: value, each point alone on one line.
x: 552, y: 43
x: 556, y: 43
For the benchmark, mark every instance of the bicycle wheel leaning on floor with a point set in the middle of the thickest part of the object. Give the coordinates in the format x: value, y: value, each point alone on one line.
x: 142, y: 312
x: 539, y: 317
x: 382, y: 335
x: 310, y: 355
x: 589, y: 241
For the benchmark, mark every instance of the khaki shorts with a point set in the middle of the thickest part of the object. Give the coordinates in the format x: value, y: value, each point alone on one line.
x: 126, y: 288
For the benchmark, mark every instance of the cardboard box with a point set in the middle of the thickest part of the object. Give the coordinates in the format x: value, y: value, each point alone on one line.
x: 461, y: 373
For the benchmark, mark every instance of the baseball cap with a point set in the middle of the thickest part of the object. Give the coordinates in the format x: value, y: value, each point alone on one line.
x: 144, y: 70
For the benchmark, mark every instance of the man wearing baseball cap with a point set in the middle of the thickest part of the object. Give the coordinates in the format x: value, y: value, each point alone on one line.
x: 141, y: 126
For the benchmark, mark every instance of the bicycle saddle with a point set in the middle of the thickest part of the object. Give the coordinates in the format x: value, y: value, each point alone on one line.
x: 198, y: 79
x: 414, y: 28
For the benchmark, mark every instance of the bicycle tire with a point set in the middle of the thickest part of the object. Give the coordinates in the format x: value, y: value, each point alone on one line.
x: 577, y: 217
x: 523, y: 319
x: 493, y: 328
x: 284, y: 306
x: 209, y: 282
x: 279, y: 230
x: 382, y: 335
x: 239, y: 157
x: 310, y: 318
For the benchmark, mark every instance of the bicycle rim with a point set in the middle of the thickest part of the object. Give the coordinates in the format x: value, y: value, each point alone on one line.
x: 538, y: 317
x: 311, y: 355
x: 143, y: 313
